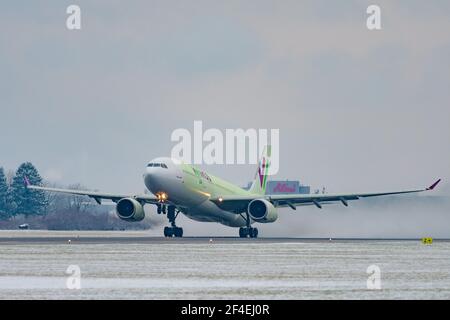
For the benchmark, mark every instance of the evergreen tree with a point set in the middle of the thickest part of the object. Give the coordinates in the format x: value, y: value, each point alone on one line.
x: 4, y: 213
x: 26, y: 201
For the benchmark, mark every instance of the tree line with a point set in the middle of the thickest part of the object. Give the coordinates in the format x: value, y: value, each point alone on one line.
x: 16, y: 199
x: 54, y: 211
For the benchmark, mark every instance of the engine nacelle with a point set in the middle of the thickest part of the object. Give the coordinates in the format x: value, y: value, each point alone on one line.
x: 129, y: 209
x: 262, y: 211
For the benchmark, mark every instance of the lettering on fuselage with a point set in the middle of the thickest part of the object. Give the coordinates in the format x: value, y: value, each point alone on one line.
x: 202, y: 174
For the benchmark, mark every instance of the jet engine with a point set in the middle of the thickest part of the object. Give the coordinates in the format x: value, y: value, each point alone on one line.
x: 129, y: 209
x: 262, y: 211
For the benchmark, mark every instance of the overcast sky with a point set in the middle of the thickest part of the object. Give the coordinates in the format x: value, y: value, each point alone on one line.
x: 357, y: 110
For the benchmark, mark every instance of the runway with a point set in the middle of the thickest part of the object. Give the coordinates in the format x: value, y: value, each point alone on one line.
x: 85, y: 237
x: 132, y: 265
x: 105, y: 237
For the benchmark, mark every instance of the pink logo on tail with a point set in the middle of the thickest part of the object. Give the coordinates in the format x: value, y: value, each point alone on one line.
x: 261, y: 172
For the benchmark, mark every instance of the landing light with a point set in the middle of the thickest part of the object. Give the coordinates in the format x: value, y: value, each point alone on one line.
x: 161, y: 196
x: 220, y: 199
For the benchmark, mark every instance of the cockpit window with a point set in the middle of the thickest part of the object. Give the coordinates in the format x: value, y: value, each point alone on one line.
x: 161, y: 165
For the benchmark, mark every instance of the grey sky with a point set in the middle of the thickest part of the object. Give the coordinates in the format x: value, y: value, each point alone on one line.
x: 358, y: 110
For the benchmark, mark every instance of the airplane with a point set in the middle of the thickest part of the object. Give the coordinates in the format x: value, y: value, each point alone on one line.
x: 178, y: 187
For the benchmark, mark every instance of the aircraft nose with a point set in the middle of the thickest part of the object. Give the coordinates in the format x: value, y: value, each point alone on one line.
x: 150, y: 174
x: 152, y: 177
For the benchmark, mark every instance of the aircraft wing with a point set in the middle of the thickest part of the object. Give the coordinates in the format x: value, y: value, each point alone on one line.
x: 240, y: 203
x: 97, y: 196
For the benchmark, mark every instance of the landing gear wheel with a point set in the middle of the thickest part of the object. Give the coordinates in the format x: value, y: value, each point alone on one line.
x: 248, y: 232
x: 253, y: 233
x: 173, y: 230
x: 178, y: 232
x: 168, y: 232
x: 243, y: 232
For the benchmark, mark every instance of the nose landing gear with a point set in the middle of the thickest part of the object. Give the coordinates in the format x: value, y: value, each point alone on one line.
x: 161, y: 209
x: 172, y: 231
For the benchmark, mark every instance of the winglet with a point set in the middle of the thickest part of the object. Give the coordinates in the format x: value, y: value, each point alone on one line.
x: 26, y: 182
x: 433, y: 185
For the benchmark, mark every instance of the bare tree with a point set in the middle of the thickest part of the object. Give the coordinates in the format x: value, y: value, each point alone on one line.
x: 79, y: 203
x: 68, y: 202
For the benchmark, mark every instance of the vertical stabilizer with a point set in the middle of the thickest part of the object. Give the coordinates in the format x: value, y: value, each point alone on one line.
x: 259, y: 183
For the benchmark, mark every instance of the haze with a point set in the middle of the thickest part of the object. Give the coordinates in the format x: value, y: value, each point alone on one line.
x: 357, y: 110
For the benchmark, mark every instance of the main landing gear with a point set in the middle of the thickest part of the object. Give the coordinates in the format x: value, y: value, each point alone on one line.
x: 172, y: 231
x: 248, y: 231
